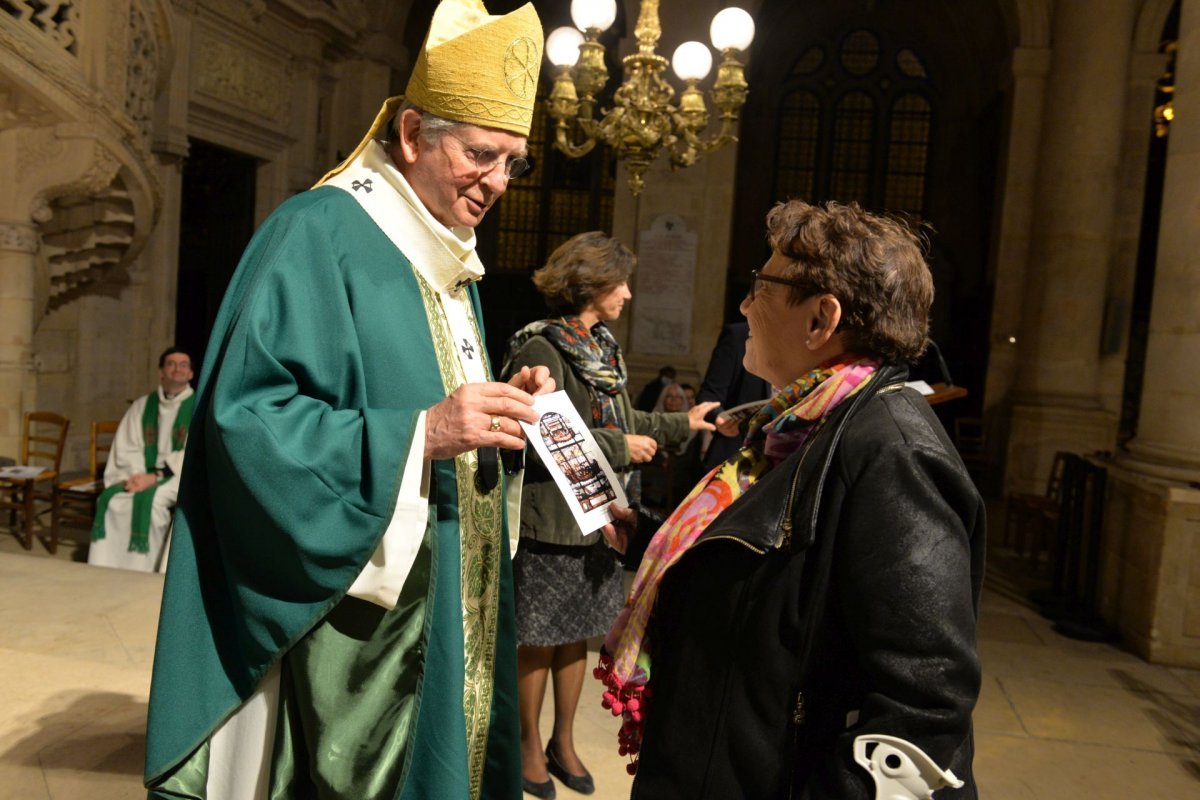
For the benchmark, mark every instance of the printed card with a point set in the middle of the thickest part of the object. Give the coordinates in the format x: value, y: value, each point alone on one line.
x: 579, y: 468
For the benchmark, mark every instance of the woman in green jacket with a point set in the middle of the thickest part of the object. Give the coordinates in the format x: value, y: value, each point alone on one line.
x: 569, y: 586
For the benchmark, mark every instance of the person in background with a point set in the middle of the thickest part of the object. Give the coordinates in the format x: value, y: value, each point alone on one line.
x: 651, y: 391
x: 818, y: 592
x: 669, y: 474
x: 337, y: 621
x: 569, y: 586
x: 689, y: 391
x: 141, y: 477
x: 727, y: 381
x: 672, y: 398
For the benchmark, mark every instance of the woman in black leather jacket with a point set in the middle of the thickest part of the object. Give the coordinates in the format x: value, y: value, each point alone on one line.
x: 803, y: 625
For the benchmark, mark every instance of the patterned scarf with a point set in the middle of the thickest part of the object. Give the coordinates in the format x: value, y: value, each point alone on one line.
x: 595, y: 357
x: 780, y: 428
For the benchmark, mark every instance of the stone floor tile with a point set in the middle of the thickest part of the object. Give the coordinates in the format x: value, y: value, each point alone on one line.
x: 1188, y: 677
x: 995, y: 713
x: 1062, y: 660
x: 1000, y: 626
x: 1014, y: 768
x: 1095, y: 715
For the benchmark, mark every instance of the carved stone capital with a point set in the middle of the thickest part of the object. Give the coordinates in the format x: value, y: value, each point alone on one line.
x: 19, y: 238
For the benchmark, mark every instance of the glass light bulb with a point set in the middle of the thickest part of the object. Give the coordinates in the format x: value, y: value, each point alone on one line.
x: 562, y: 46
x: 732, y: 27
x: 597, y: 14
x: 691, y: 61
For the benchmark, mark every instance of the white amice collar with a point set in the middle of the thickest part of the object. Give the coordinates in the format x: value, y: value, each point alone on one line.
x: 445, y: 257
x: 175, y: 399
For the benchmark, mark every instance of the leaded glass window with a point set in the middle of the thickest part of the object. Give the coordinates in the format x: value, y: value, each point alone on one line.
x: 856, y: 125
x: 557, y: 199
x: 908, y: 147
x: 853, y: 136
x: 799, y: 128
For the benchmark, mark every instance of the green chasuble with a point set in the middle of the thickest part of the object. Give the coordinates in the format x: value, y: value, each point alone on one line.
x: 320, y: 362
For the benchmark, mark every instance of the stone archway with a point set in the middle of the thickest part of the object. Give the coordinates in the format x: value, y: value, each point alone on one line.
x: 1148, y: 33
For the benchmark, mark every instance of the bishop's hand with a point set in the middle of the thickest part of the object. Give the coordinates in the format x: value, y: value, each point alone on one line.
x: 478, y: 415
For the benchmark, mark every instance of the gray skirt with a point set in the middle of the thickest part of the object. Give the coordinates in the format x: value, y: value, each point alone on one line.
x: 565, y: 593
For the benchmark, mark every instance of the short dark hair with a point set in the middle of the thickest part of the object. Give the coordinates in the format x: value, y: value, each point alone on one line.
x: 580, y: 269
x: 170, y: 351
x: 874, y: 264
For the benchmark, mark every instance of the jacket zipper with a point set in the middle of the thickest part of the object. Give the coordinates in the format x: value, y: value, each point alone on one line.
x: 785, y: 527
x: 760, y: 551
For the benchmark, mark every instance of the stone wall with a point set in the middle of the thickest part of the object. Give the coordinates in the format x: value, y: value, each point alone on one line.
x: 1150, y: 566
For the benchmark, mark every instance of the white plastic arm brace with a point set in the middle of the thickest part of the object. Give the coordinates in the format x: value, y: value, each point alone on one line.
x: 901, y: 770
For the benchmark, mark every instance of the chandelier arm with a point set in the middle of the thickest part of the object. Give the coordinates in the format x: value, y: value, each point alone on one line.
x: 723, y: 137
x: 572, y: 150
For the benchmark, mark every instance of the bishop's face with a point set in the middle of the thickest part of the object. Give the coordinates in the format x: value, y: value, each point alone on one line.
x: 461, y: 174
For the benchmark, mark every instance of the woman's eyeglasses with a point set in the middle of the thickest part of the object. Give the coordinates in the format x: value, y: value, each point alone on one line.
x: 486, y: 160
x: 756, y: 276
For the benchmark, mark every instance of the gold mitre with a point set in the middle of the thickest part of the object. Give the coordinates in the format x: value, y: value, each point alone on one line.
x: 477, y: 68
x: 473, y: 68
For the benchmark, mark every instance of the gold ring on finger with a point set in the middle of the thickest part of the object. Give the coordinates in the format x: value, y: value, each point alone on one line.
x: 495, y: 423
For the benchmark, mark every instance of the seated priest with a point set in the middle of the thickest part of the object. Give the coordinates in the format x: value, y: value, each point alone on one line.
x: 141, y: 479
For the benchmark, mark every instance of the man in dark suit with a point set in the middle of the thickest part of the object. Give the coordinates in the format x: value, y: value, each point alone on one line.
x: 727, y: 382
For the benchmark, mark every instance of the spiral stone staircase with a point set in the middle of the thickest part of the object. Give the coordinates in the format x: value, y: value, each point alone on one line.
x: 81, y: 193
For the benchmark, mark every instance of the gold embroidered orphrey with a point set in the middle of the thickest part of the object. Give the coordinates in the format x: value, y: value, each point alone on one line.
x: 481, y: 520
x: 521, y: 62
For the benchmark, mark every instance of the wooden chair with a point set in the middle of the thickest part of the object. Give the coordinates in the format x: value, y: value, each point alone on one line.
x: 42, y: 439
x: 74, y: 501
x: 1033, y: 517
x: 971, y: 444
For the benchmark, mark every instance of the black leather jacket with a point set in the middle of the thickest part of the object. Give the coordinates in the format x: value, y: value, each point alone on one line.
x: 837, y: 597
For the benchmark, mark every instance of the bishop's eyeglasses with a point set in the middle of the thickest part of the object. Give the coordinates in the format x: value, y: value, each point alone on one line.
x: 486, y: 160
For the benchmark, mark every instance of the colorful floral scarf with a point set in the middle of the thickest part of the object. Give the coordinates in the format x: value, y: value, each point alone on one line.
x: 595, y: 357
x: 780, y: 428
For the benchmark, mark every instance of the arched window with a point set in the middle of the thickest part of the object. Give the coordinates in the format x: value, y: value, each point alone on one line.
x: 557, y: 199
x: 853, y: 141
x: 799, y: 129
x: 856, y: 126
x: 908, y: 148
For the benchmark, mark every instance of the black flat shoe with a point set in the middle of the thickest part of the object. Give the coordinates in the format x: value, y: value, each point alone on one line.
x: 579, y: 783
x: 544, y: 790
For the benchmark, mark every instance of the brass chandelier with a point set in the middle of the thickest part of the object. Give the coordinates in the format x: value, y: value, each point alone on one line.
x: 644, y: 119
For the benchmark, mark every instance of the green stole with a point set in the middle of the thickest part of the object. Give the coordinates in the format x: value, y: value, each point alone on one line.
x: 143, y: 501
x: 478, y: 598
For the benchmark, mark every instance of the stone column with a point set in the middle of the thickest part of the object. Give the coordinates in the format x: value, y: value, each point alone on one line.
x: 1150, y: 560
x: 1145, y: 68
x: 1057, y: 403
x: 1027, y: 102
x: 1168, y: 429
x: 18, y: 388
